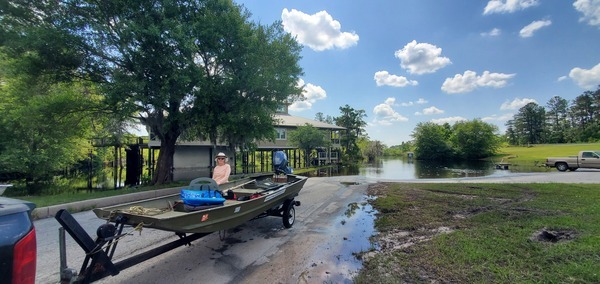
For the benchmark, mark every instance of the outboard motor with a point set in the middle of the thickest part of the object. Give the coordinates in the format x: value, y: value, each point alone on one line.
x: 280, y: 162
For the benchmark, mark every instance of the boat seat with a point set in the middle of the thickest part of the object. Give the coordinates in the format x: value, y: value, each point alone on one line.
x: 245, y: 191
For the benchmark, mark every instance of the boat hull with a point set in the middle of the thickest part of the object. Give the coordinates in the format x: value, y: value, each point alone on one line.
x: 264, y: 196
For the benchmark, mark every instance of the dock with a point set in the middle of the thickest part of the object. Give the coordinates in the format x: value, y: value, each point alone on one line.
x: 502, y: 166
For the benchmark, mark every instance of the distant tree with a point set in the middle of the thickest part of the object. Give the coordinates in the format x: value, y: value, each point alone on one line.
x: 584, y: 116
x: 474, y: 139
x: 398, y: 150
x: 511, y: 136
x: 373, y: 150
x: 430, y: 142
x: 577, y: 122
x: 308, y: 138
x: 353, y: 121
x: 319, y: 116
x: 322, y: 118
x: 529, y: 124
x: 557, y: 120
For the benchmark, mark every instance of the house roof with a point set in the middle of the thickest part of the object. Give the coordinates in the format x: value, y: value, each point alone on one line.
x: 295, y: 121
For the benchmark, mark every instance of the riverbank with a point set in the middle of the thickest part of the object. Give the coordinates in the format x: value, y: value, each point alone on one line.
x: 484, y: 232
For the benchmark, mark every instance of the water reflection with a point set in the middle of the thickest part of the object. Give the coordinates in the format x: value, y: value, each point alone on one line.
x: 415, y: 169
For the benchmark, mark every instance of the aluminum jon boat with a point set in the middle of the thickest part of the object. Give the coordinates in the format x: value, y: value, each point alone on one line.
x: 248, y: 198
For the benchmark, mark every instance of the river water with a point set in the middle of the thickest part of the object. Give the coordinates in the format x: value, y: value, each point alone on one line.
x: 414, y: 169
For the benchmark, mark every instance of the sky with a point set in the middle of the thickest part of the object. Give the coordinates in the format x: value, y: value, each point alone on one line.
x: 411, y: 61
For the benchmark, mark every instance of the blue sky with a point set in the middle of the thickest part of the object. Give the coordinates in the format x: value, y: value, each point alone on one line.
x: 405, y: 62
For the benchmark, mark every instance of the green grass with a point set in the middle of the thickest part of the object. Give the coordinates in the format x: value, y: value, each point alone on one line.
x: 493, y: 238
x: 74, y: 195
x: 539, y: 152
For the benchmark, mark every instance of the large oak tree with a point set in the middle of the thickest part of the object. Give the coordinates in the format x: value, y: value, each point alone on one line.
x: 196, y: 68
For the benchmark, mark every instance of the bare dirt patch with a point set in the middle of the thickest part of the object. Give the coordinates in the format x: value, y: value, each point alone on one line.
x: 553, y: 235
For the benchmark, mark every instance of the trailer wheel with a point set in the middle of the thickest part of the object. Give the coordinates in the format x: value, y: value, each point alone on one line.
x: 289, y: 214
x: 562, y: 167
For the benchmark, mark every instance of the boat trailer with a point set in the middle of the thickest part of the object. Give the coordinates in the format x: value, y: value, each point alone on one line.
x: 98, y: 262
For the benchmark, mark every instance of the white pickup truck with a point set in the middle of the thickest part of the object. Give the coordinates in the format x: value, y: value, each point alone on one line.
x: 585, y: 159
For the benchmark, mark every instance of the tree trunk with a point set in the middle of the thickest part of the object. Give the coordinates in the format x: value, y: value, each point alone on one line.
x: 164, y: 164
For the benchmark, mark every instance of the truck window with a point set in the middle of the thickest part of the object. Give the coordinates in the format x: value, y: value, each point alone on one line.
x: 588, y: 155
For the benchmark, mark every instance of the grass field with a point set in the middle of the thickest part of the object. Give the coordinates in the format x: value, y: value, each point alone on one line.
x: 539, y: 152
x: 485, y: 233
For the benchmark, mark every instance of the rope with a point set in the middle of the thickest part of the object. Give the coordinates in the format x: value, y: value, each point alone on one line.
x: 140, y: 210
x: 138, y: 228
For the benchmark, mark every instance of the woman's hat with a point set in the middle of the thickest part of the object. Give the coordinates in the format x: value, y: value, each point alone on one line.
x: 221, y: 155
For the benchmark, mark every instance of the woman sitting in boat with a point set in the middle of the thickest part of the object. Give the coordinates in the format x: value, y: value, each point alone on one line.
x: 222, y: 170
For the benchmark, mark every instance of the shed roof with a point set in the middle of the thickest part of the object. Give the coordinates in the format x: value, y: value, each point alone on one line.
x: 295, y: 121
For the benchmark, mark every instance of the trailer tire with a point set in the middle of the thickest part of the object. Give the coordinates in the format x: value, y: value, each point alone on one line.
x: 289, y: 214
x: 562, y: 167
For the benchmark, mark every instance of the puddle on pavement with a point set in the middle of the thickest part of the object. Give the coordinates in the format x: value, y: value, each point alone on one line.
x: 351, y: 232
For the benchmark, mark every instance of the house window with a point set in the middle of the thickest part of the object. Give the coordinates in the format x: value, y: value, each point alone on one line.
x: 281, y: 134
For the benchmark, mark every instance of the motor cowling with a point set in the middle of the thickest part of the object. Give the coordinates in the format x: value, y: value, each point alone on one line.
x: 280, y: 163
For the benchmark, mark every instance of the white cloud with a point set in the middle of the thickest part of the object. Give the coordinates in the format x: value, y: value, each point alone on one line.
x: 499, y: 118
x: 590, y: 10
x: 386, y: 115
x: 318, y: 31
x: 494, y: 32
x: 390, y: 101
x: 421, y: 58
x: 383, y: 78
x: 300, y: 105
x: 586, y: 78
x: 449, y: 120
x: 528, y: 30
x: 470, y: 81
x: 421, y: 101
x: 311, y: 94
x: 508, y: 6
x: 517, y: 103
x: 430, y: 111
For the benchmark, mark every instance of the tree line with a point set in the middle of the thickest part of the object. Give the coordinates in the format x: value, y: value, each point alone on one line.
x: 560, y: 121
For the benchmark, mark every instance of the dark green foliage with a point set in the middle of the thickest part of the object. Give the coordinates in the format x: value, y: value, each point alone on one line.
x: 308, y: 138
x: 430, y: 142
x: 195, y: 68
x: 472, y: 139
x: 353, y: 121
x: 559, y: 122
